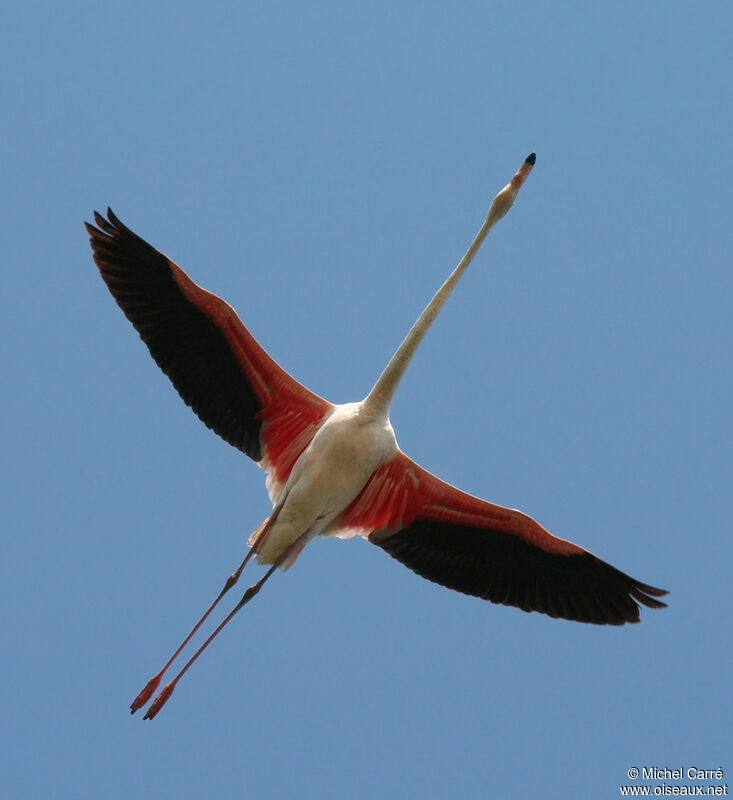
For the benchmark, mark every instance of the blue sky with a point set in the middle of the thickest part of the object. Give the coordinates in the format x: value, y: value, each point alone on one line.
x: 323, y: 167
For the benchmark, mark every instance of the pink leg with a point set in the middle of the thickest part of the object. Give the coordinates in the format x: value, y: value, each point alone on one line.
x: 154, y: 682
x: 162, y: 698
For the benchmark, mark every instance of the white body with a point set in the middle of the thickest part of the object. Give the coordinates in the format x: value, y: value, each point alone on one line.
x: 351, y: 444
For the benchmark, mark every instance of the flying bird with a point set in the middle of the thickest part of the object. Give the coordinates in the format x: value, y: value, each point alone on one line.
x: 336, y: 470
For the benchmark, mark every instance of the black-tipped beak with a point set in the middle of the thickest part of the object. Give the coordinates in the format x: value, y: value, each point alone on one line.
x: 531, y: 158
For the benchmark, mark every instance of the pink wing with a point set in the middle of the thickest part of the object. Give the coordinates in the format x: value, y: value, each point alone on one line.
x: 200, y: 343
x: 485, y: 550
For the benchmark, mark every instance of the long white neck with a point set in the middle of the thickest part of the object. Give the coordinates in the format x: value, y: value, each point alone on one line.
x: 380, y: 397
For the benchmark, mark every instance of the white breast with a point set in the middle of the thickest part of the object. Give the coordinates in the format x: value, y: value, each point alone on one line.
x: 345, y: 451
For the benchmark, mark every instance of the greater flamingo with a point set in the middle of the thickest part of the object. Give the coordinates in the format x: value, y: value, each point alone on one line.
x: 336, y: 470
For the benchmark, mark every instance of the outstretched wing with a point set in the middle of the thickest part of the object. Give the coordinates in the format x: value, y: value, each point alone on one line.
x: 200, y: 343
x: 485, y: 550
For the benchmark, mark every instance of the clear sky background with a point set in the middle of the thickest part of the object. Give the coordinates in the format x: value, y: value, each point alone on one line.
x: 323, y: 166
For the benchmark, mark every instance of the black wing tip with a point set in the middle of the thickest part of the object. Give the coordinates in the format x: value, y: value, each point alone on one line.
x: 578, y: 587
x: 531, y: 158
x: 646, y: 594
x: 113, y: 218
x: 653, y: 590
x: 106, y: 224
x: 98, y: 227
x: 633, y: 591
